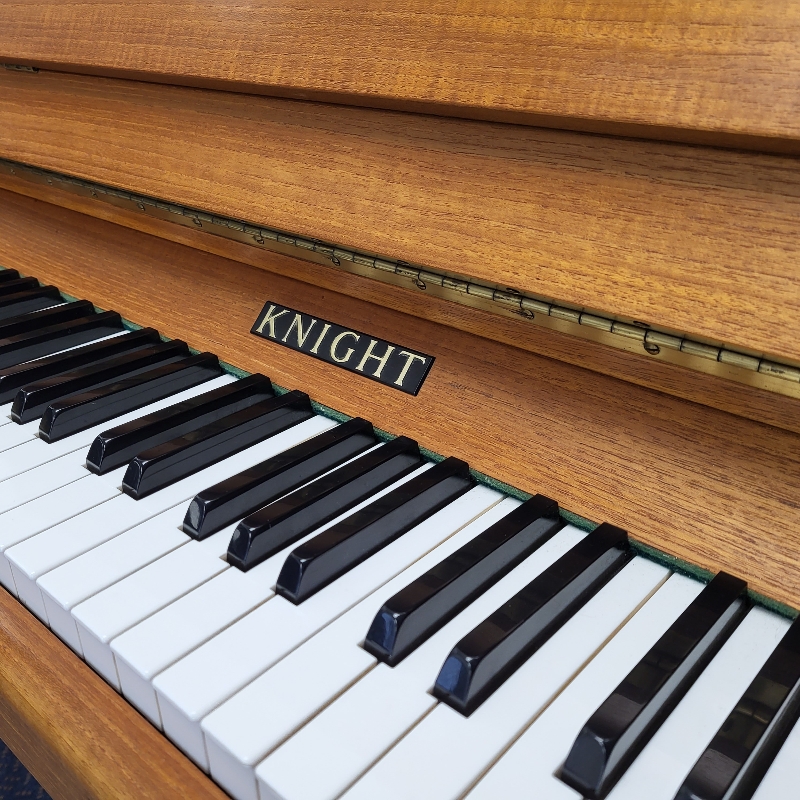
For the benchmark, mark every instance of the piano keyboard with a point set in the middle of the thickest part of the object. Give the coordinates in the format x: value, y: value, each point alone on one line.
x: 309, y: 612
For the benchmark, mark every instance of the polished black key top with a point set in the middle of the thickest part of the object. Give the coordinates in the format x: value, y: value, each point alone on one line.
x: 36, y: 320
x: 283, y: 522
x: 19, y: 285
x: 115, y: 447
x: 322, y: 559
x: 12, y: 379
x: 13, y: 305
x: 732, y: 766
x: 169, y: 462
x: 81, y: 411
x: 39, y: 344
x: 496, y: 648
x: 420, y: 609
x: 8, y: 275
x: 241, y: 495
x: 32, y: 400
x: 616, y: 733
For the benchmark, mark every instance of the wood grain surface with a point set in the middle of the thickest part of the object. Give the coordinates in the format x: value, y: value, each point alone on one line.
x: 719, y: 71
x: 77, y: 736
x: 712, y: 488
x: 641, y: 369
x: 700, y: 240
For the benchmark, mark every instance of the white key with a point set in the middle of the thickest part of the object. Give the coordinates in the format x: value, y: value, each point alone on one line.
x: 40, y: 481
x: 37, y: 516
x: 164, y: 638
x: 37, y: 452
x: 665, y: 761
x: 57, y: 545
x: 122, y: 605
x: 5, y: 414
x: 184, y: 625
x: 783, y: 776
x: 84, y: 576
x: 361, y: 738
x: 213, y: 672
x: 542, y: 749
x: 243, y: 730
x: 16, y: 434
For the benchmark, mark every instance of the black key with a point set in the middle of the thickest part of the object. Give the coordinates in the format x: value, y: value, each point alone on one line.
x: 496, y: 648
x: 12, y: 379
x: 16, y: 350
x: 744, y: 748
x: 283, y: 522
x: 115, y: 447
x: 36, y: 320
x: 13, y: 305
x: 616, y: 733
x: 319, y: 561
x: 185, y: 455
x: 420, y: 609
x: 87, y: 409
x: 8, y: 275
x: 32, y: 400
x: 242, y: 494
x: 19, y: 285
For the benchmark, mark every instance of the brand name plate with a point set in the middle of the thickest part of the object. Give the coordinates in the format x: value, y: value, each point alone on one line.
x: 388, y: 363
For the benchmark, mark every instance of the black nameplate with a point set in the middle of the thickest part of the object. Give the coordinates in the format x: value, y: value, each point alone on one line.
x: 387, y: 363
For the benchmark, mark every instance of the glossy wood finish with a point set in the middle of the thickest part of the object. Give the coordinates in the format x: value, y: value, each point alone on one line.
x: 648, y: 231
x: 710, y: 487
x: 724, y: 71
x: 643, y: 370
x: 80, y: 739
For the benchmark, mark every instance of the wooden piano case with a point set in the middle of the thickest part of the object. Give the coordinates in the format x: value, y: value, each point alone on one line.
x: 689, y: 231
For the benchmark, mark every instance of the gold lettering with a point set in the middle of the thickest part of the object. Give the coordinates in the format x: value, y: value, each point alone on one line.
x: 380, y: 359
x: 350, y: 350
x: 321, y: 337
x: 269, y: 319
x: 301, y: 336
x: 410, y: 358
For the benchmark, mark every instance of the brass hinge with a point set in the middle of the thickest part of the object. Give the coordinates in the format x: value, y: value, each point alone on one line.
x: 715, y: 358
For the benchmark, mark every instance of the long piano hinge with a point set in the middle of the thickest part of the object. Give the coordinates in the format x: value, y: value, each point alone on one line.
x: 715, y: 358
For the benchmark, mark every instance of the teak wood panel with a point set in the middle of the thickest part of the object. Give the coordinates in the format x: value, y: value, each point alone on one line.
x: 77, y: 736
x: 699, y: 240
x: 722, y: 70
x: 707, y: 486
x: 642, y: 369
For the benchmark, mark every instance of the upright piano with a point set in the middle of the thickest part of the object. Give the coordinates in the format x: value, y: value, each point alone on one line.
x: 400, y: 400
